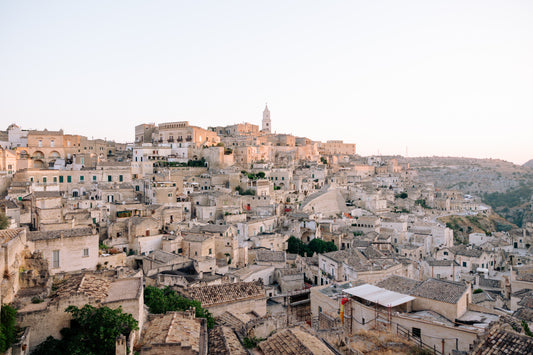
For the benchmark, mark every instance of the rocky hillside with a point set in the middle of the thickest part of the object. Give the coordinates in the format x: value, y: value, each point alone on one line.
x: 528, y: 164
x: 506, y: 187
x: 464, y: 225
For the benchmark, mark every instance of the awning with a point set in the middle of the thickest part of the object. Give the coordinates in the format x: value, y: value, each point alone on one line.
x: 379, y: 295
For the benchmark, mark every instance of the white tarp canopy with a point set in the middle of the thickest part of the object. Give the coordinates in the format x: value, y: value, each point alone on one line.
x: 379, y: 295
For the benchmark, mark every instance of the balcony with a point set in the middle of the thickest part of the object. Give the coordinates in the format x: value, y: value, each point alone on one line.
x: 171, y: 140
x: 188, y: 139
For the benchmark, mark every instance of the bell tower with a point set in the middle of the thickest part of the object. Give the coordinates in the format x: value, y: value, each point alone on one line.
x: 266, y: 121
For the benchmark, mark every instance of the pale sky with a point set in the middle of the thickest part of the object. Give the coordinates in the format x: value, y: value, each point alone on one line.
x: 450, y: 78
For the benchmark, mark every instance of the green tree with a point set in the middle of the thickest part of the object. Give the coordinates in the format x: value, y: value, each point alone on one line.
x: 320, y: 246
x: 296, y: 246
x: 4, y: 221
x: 162, y: 300
x: 402, y: 195
x: 8, y: 327
x: 93, y: 331
x: 527, y: 331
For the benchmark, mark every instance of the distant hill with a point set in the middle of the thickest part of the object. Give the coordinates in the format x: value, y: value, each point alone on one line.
x: 529, y: 164
x: 506, y: 187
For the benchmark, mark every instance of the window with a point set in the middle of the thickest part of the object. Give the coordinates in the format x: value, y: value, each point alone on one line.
x: 40, y: 143
x: 416, y: 332
x: 120, y: 178
x: 209, y: 251
x: 44, y: 179
x: 445, y: 253
x: 109, y: 178
x: 464, y: 263
x: 180, y: 250
x: 61, y: 179
x: 86, y: 252
x: 52, y: 143
x: 55, y: 178
x: 69, y: 178
x: 94, y: 177
x: 82, y: 177
x: 31, y: 178
x: 55, y: 259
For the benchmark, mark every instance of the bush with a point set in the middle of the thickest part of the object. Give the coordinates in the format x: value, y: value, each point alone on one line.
x: 4, y: 221
x: 477, y: 290
x: 160, y: 301
x: 250, y: 343
x: 402, y: 195
x: 8, y: 327
x: 93, y: 331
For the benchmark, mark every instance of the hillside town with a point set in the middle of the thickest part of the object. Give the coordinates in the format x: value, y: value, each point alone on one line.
x: 282, y: 244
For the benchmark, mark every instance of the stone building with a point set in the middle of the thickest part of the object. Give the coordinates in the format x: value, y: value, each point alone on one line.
x: 67, y: 250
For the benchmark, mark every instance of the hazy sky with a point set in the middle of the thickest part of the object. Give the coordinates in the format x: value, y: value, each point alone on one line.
x: 450, y: 78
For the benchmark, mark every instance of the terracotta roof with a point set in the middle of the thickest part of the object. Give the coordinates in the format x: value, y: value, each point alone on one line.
x: 504, y: 342
x: 91, y: 285
x: 229, y: 319
x: 440, y: 290
x: 223, y: 340
x: 226, y: 293
x: 524, y: 314
x: 399, y: 284
x: 65, y: 233
x: 433, y: 262
x: 46, y: 194
x: 464, y: 251
x: 294, y: 341
x: 178, y: 328
x: 270, y: 256
x: 7, y: 234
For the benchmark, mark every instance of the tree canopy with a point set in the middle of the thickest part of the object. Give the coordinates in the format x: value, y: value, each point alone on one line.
x: 162, y: 300
x: 296, y: 246
x: 93, y: 331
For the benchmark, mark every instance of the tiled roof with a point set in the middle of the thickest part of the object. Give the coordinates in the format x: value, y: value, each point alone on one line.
x: 7, y: 234
x: 229, y: 319
x: 489, y: 282
x: 46, y: 194
x: 225, y: 293
x: 178, y: 328
x: 525, y: 277
x: 464, y: 251
x: 90, y: 285
x: 358, y: 261
x: 433, y: 262
x: 222, y: 340
x: 504, y: 342
x: 270, y: 256
x: 398, y: 284
x: 526, y: 302
x: 294, y: 341
x: 481, y: 297
x: 524, y: 314
x: 65, y: 233
x: 440, y: 290
x: 196, y: 237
